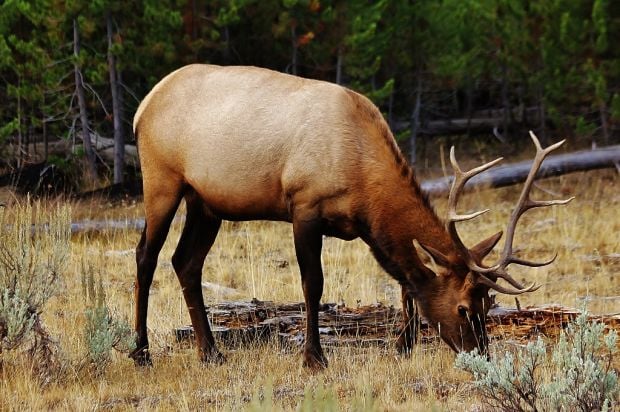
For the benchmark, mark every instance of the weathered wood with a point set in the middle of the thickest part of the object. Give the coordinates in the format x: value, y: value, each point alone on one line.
x: 79, y: 89
x: 119, y: 138
x: 101, y: 225
x: 243, y: 323
x: 510, y: 174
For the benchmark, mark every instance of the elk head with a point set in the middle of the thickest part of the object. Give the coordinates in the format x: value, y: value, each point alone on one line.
x: 457, y: 301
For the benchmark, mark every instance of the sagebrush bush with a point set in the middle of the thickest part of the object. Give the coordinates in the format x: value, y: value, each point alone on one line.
x: 16, y: 318
x: 34, y: 247
x: 103, y: 330
x: 577, y: 376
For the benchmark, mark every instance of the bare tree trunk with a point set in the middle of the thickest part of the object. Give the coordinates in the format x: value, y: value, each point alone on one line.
x: 119, y: 138
x: 390, y: 113
x: 505, y: 102
x: 194, y: 18
x: 339, y: 66
x: 44, y: 126
x: 604, y: 124
x: 27, y: 139
x: 19, y: 124
x: 415, y: 120
x: 121, y: 104
x: 542, y: 116
x: 468, y: 105
x: 227, y: 52
x: 294, y: 51
x: 79, y: 88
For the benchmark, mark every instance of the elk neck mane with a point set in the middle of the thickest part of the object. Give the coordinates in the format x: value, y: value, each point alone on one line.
x: 400, y: 217
x: 375, y: 119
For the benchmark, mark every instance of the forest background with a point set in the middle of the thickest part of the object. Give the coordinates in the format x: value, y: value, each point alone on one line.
x: 73, y: 72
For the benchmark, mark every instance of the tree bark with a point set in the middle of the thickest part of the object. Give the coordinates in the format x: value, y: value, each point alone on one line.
x: 469, y: 104
x: 19, y: 124
x: 506, y: 103
x: 194, y: 19
x: 45, y: 140
x: 339, y: 66
x: 514, y: 173
x: 294, y: 50
x: 79, y: 88
x: 604, y: 123
x: 119, y: 138
x: 542, y: 117
x: 390, y: 113
x: 227, y: 50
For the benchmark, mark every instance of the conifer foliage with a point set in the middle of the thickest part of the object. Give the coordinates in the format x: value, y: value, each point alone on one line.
x: 551, y: 64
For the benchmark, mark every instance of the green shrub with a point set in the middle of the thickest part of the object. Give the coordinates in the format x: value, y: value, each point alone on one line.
x: 34, y: 247
x: 577, y: 376
x: 103, y: 330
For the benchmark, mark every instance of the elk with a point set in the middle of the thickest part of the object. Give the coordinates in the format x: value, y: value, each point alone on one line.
x: 245, y: 143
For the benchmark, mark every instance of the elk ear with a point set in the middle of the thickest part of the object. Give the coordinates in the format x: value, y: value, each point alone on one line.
x: 486, y: 246
x: 430, y: 257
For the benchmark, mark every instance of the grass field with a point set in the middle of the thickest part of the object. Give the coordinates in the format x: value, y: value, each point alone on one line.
x: 257, y: 259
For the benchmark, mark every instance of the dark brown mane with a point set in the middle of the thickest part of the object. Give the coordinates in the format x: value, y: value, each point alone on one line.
x: 367, y: 108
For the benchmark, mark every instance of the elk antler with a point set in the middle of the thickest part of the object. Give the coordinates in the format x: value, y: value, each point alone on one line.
x: 524, y: 204
x: 460, y: 178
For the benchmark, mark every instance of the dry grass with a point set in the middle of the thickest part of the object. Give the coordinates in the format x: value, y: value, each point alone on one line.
x: 257, y: 260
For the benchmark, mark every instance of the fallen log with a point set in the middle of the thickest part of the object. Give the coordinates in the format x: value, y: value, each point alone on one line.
x: 481, y: 122
x: 101, y: 225
x: 510, y: 174
x: 238, y: 324
x: 104, y: 147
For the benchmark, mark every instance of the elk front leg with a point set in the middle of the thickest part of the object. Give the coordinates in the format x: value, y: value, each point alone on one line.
x: 308, y: 244
x: 411, y: 322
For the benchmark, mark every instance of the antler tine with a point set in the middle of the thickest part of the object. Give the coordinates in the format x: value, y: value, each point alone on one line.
x: 502, y: 273
x: 502, y: 289
x: 542, y: 203
x: 532, y: 264
x: 460, y: 179
x: 465, y: 176
x: 524, y: 204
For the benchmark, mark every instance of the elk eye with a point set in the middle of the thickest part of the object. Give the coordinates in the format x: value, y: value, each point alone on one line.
x: 462, y: 311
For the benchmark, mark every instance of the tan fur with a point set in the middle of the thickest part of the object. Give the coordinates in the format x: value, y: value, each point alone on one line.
x: 222, y: 130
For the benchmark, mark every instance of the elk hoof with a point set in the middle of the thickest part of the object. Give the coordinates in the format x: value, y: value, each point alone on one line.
x: 314, y: 361
x: 213, y: 357
x: 141, y: 357
x: 404, y: 347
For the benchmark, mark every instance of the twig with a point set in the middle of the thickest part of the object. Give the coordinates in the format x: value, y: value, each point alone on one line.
x: 88, y: 86
x: 131, y: 93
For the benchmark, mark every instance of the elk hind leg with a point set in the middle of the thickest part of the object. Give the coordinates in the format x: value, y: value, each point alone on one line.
x: 198, y: 235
